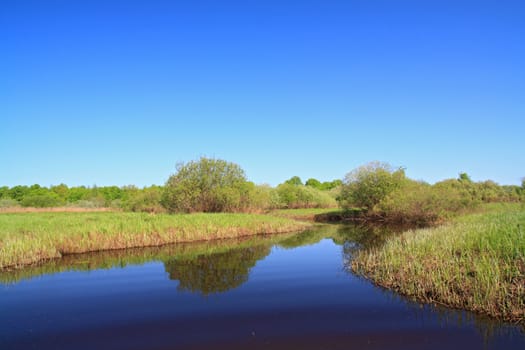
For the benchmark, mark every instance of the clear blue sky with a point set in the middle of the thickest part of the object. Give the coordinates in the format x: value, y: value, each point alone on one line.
x: 117, y: 92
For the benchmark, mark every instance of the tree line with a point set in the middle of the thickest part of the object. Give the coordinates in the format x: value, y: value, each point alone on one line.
x: 204, y: 185
x: 214, y: 185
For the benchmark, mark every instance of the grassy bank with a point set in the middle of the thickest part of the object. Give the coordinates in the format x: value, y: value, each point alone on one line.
x: 108, y: 259
x: 476, y: 262
x: 27, y: 238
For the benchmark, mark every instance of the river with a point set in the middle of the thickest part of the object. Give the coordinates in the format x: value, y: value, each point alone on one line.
x: 273, y: 292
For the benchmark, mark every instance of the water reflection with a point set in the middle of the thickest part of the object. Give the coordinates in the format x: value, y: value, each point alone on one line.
x: 354, y: 238
x: 183, y: 259
x: 297, y: 293
x: 215, y: 273
x: 179, y: 259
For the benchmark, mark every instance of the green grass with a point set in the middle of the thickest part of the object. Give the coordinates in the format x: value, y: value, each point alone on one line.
x: 27, y: 238
x: 108, y: 259
x: 476, y: 262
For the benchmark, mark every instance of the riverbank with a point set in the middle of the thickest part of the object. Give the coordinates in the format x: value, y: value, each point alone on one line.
x: 28, y: 238
x: 476, y: 262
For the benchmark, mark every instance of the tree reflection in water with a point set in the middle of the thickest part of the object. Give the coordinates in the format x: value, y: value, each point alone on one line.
x: 215, y: 273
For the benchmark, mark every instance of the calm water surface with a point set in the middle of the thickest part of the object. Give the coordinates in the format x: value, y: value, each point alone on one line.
x: 278, y: 292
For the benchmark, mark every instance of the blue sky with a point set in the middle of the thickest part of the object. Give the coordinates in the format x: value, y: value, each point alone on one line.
x: 117, y: 92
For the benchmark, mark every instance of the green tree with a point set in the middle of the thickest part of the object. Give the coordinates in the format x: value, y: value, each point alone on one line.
x: 464, y: 177
x: 216, y: 272
x: 295, y: 181
x: 144, y: 200
x: 76, y: 194
x: 207, y: 185
x: 18, y: 192
x: 4, y: 192
x: 330, y: 185
x: 314, y: 183
x: 368, y: 185
x: 61, y: 190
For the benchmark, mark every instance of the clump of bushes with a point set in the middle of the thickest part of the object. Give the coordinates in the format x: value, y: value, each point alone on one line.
x: 380, y: 191
x: 207, y: 185
x: 214, y: 185
x: 40, y: 201
x: 143, y: 200
x: 300, y: 196
x: 8, y: 203
x: 368, y: 185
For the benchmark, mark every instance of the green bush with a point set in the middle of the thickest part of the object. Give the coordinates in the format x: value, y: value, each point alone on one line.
x: 323, y: 186
x: 368, y: 185
x: 295, y: 181
x: 457, y: 195
x: 4, y: 192
x: 415, y: 202
x: 387, y: 194
x: 8, y: 203
x: 314, y: 183
x: 298, y: 196
x: 18, y: 192
x: 207, y: 185
x: 261, y: 198
x: 145, y: 200
x: 41, y: 200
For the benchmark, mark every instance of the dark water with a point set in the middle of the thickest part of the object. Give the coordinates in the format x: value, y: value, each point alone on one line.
x: 278, y: 292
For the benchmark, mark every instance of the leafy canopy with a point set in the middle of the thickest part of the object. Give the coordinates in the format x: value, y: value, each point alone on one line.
x: 368, y: 185
x: 207, y: 185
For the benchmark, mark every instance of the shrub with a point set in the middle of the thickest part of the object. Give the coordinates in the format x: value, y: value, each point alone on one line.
x: 145, y: 200
x: 8, y: 203
x: 295, y: 196
x: 262, y: 197
x: 18, y: 192
x: 207, y: 185
x: 76, y: 194
x: 4, y: 192
x: 41, y: 200
x: 413, y: 202
x: 295, y: 181
x: 387, y: 194
x: 457, y: 195
x: 314, y: 183
x: 368, y: 185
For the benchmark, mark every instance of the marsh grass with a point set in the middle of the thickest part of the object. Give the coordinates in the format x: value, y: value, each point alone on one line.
x: 27, y: 238
x: 120, y: 258
x: 476, y: 262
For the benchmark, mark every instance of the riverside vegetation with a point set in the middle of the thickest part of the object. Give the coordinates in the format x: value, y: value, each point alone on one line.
x: 472, y: 252
x: 475, y: 262
x: 31, y: 237
x: 222, y: 202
